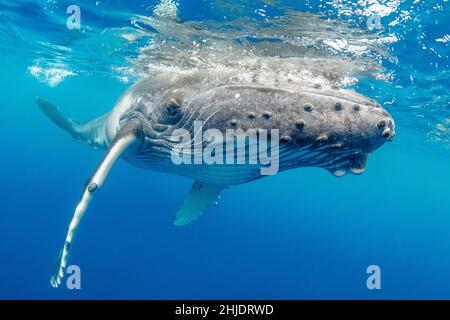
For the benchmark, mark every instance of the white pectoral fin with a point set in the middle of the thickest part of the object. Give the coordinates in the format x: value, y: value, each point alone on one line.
x: 123, y: 140
x: 198, y: 199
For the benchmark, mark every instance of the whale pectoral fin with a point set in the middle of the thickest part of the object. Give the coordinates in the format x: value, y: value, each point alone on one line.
x: 198, y: 199
x: 124, y: 138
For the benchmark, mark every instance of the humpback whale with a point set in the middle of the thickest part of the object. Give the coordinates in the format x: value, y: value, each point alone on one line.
x: 319, y: 126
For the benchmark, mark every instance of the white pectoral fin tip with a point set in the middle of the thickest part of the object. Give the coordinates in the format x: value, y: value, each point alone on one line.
x: 197, y: 200
x: 58, y: 273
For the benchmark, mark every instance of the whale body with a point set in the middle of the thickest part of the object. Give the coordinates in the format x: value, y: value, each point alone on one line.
x: 316, y: 125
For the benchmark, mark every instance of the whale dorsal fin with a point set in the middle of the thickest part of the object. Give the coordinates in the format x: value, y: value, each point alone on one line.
x: 92, y: 133
x: 198, y: 199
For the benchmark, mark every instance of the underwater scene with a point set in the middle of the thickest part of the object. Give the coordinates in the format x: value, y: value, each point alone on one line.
x: 225, y: 149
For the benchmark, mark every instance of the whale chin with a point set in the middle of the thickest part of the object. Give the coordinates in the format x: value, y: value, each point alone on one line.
x: 355, y: 163
x: 343, y: 172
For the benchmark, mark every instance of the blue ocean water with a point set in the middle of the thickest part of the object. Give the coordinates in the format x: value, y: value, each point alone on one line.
x: 300, y: 234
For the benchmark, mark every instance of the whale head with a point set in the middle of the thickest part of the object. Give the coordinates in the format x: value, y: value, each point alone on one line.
x: 331, y: 128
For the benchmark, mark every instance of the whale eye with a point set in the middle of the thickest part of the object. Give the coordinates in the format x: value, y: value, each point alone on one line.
x: 173, y: 106
x: 171, y: 112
